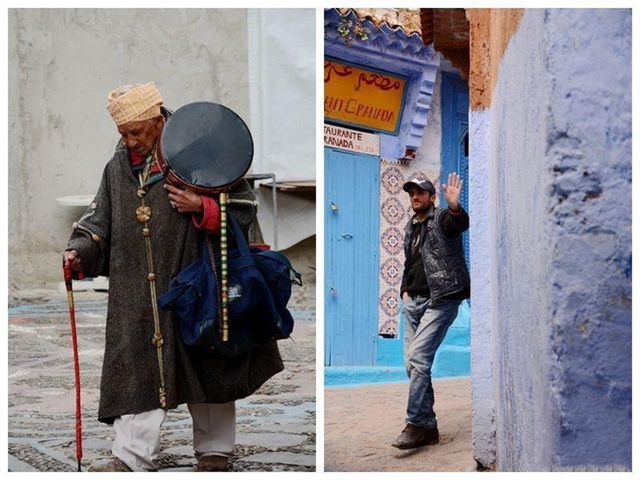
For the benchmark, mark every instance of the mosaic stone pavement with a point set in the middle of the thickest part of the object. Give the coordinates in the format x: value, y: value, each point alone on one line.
x: 275, y: 426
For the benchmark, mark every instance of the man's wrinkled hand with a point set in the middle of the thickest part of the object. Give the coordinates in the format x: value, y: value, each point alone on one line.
x: 72, y: 257
x: 184, y: 200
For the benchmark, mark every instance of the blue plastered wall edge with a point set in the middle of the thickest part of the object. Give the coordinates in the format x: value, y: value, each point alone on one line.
x: 483, y: 257
x: 525, y: 418
x: 512, y: 420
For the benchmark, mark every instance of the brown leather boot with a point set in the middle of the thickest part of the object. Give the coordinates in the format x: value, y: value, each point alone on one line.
x: 412, y: 437
x: 213, y: 463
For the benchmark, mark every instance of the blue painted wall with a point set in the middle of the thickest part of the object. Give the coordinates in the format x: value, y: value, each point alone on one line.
x: 552, y: 354
x: 589, y: 150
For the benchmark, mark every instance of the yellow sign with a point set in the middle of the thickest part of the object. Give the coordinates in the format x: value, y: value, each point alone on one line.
x: 365, y: 98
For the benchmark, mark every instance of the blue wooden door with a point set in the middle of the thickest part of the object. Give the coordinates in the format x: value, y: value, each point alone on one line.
x: 463, y: 169
x: 455, y: 139
x: 453, y: 357
x: 351, y: 257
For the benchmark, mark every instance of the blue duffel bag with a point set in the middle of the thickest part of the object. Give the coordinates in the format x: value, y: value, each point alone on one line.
x: 259, y: 288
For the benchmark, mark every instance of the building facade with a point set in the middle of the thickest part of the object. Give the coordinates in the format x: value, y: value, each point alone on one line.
x: 62, y: 63
x: 393, y: 110
x: 547, y: 137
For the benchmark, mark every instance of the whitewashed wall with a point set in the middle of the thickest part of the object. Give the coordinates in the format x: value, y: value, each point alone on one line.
x: 62, y: 63
x: 282, y: 60
x: 282, y: 92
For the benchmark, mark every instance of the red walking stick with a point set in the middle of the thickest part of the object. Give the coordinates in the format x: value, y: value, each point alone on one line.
x: 68, y: 281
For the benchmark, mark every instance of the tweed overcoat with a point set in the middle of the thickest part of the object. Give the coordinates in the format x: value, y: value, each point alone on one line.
x: 109, y: 240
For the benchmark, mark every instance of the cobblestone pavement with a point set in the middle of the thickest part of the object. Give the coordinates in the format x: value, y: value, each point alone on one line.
x: 362, y: 422
x: 275, y: 426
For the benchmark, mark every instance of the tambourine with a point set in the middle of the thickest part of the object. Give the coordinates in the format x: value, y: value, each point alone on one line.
x: 206, y: 147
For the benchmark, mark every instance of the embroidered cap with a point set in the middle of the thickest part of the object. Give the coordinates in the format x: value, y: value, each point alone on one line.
x: 421, y: 183
x: 134, y: 102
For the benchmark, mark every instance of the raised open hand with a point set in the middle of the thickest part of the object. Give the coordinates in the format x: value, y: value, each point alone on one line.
x: 452, y: 190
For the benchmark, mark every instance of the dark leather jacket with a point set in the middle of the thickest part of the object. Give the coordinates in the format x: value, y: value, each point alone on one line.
x: 442, y: 256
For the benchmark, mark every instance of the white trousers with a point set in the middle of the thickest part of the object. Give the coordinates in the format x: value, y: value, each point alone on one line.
x: 137, y: 436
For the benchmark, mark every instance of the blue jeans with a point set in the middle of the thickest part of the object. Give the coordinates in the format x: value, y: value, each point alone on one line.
x: 425, y: 327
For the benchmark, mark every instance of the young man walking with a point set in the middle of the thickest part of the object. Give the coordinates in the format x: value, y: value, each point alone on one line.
x: 434, y: 282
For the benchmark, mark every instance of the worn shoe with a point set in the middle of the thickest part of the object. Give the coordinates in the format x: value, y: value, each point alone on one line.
x: 213, y: 463
x: 113, y: 465
x: 412, y: 437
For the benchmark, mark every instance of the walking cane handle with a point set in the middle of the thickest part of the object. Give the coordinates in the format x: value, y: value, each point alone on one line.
x: 68, y: 273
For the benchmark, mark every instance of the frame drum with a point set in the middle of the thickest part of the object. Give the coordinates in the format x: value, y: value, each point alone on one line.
x: 206, y: 147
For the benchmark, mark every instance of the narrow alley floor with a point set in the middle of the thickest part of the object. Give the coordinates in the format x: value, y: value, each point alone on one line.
x: 362, y: 422
x: 275, y: 426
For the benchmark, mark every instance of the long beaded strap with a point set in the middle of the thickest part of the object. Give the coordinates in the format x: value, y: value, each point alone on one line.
x: 223, y: 267
x: 212, y: 259
x: 143, y: 213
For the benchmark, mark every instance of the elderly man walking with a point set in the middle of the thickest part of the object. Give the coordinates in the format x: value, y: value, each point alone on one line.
x: 141, y: 231
x: 434, y: 282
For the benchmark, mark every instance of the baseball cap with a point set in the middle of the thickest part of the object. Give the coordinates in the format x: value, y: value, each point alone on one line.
x: 421, y: 183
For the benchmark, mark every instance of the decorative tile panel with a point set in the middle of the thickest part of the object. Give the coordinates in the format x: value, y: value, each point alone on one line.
x: 392, y: 210
x: 392, y: 241
x: 395, y: 212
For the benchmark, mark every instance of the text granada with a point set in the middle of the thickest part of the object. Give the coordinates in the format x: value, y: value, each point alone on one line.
x: 353, y: 107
